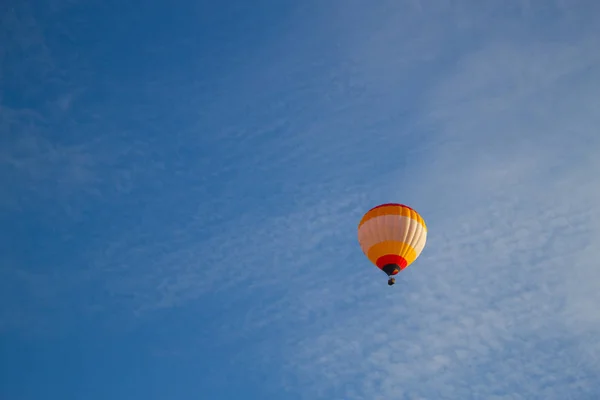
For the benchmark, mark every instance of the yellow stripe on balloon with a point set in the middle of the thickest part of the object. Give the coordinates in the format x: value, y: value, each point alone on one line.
x: 392, y: 247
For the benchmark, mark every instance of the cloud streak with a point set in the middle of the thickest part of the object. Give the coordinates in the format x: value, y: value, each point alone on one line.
x: 245, y: 216
x: 499, y: 305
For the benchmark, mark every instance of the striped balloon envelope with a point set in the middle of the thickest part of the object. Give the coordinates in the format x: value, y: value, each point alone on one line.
x: 392, y: 236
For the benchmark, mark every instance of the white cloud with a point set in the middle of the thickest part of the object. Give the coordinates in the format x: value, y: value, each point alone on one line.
x: 502, y: 162
x: 502, y: 303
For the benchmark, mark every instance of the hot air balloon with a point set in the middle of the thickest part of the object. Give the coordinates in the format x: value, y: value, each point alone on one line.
x: 392, y: 236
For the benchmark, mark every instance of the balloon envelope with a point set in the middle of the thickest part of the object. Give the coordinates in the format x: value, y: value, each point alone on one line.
x: 392, y: 234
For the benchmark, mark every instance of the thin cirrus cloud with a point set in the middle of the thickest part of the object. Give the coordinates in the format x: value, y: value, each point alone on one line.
x: 245, y: 216
x: 500, y: 304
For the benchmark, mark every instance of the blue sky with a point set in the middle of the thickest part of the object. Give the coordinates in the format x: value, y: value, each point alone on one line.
x: 182, y: 182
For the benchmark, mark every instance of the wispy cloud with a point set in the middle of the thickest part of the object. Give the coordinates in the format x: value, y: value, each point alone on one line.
x: 243, y: 209
x: 499, y: 305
